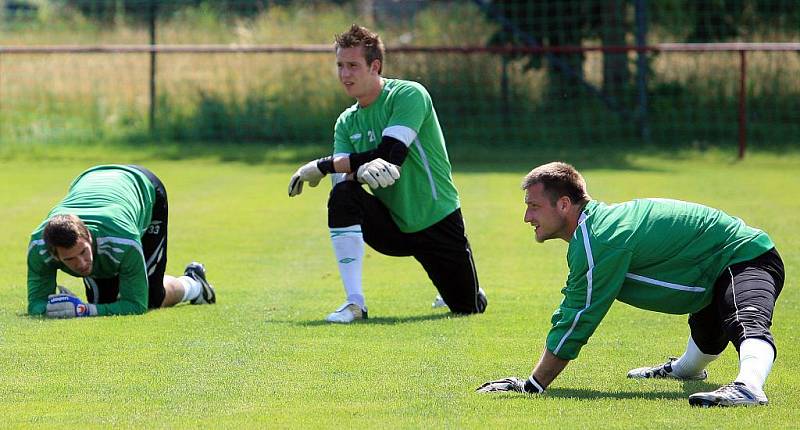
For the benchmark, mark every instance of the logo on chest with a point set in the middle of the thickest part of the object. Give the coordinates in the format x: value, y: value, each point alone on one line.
x: 370, y: 136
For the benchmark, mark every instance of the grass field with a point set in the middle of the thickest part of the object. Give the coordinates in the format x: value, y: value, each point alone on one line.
x: 262, y: 357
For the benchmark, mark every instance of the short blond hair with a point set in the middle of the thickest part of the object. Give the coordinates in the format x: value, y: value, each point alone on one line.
x: 559, y: 179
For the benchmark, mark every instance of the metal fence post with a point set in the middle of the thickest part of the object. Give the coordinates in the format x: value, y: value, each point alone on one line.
x: 152, y: 118
x: 1, y: 96
x: 742, y: 102
x: 641, y: 69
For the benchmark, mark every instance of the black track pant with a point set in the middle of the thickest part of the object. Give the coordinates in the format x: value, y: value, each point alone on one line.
x: 442, y: 249
x: 744, y: 299
x: 154, y: 247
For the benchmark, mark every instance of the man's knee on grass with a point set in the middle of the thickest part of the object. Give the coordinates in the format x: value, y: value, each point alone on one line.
x: 463, y: 306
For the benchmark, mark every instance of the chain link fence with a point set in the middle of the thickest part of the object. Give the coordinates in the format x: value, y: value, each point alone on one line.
x: 518, y: 72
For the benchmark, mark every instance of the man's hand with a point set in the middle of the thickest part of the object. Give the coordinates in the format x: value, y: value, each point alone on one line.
x: 68, y: 306
x: 308, y: 172
x: 512, y: 384
x: 378, y: 173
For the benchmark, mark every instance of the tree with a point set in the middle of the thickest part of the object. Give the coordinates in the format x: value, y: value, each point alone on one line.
x: 565, y: 23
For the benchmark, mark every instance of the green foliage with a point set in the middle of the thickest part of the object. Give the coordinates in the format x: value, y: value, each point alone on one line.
x: 553, y: 23
x: 219, y: 117
x: 262, y: 357
x: 721, y: 20
x: 111, y: 11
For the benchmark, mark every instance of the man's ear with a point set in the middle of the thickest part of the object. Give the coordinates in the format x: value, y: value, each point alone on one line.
x: 564, y: 204
x: 375, y: 67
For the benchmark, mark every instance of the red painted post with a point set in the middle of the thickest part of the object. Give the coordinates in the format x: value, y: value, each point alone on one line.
x: 742, y: 101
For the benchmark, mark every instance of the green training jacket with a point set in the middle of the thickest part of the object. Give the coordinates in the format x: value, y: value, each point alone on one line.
x: 116, y: 204
x: 655, y: 254
x: 425, y: 192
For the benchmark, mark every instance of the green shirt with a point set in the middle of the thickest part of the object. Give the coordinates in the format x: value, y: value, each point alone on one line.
x: 655, y: 254
x: 425, y: 192
x: 116, y: 203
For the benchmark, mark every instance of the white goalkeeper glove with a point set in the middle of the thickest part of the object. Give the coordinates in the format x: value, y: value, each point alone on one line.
x: 308, y: 172
x: 378, y: 173
x: 68, y: 306
x: 512, y: 384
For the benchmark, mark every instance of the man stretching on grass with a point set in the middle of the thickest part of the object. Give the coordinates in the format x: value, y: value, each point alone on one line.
x: 391, y: 129
x: 661, y: 255
x: 111, y: 230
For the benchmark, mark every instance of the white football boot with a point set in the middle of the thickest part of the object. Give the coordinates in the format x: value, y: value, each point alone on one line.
x: 197, y: 271
x: 733, y: 394
x: 347, y: 313
x: 664, y: 371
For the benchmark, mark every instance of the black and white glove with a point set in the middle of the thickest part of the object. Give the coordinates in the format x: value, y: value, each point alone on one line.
x: 512, y: 384
x: 311, y: 172
x: 378, y: 173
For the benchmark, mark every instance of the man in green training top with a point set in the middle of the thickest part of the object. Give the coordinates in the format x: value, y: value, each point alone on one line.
x: 661, y: 255
x: 111, y: 230
x: 391, y: 140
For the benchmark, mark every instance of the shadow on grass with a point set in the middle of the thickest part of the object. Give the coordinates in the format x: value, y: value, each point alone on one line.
x: 584, y: 394
x: 687, y: 388
x: 382, y: 320
x: 465, y: 157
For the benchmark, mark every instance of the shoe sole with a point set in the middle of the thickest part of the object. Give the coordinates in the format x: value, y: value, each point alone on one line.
x: 335, y: 321
x: 712, y: 403
x: 208, y: 290
x: 632, y: 374
x: 673, y: 378
x: 209, y: 295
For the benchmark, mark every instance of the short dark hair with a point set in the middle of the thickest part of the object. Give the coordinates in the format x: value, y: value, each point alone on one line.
x: 559, y: 179
x: 362, y: 36
x: 63, y: 231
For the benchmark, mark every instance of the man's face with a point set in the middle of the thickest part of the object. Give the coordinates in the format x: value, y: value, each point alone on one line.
x: 79, y: 258
x: 548, y: 220
x: 356, y: 76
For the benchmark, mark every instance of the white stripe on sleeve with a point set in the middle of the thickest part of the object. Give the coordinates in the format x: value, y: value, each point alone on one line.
x: 401, y: 133
x: 590, y: 261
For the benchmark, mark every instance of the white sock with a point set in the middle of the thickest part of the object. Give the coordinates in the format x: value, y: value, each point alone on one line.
x: 348, y: 245
x: 191, y: 288
x: 693, y: 361
x: 755, y: 363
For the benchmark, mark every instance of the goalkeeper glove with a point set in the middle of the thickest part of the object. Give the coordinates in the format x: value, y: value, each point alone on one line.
x: 68, y: 306
x: 512, y: 384
x: 311, y: 172
x: 378, y: 173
